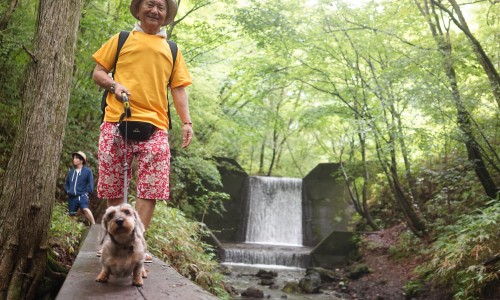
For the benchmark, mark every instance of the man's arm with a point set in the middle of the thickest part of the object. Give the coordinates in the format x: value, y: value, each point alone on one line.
x: 181, y: 103
x: 91, y: 182
x: 105, y: 81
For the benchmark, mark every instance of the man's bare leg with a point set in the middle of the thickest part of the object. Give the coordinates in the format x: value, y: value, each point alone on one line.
x: 114, y: 202
x: 145, y: 209
x: 88, y: 215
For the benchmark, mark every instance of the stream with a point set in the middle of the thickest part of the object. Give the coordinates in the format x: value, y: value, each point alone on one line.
x: 243, y: 276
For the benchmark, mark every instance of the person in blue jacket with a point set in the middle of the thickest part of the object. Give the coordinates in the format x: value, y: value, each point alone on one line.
x: 79, y: 184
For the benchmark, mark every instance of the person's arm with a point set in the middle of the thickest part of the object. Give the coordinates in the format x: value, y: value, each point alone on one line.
x: 102, y: 79
x: 91, y: 182
x: 181, y: 103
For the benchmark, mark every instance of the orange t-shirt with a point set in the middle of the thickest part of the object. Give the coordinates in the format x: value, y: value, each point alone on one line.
x: 144, y: 66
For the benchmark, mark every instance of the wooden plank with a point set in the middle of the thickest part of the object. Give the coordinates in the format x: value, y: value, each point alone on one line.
x: 163, y: 281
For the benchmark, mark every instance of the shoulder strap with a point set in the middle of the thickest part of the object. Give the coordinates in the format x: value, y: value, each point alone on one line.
x: 121, y: 40
x: 173, y: 49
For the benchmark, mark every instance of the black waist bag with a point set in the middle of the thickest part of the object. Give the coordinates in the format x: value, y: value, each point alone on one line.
x: 136, y: 131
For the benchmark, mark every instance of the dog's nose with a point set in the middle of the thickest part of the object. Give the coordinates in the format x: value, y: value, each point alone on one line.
x: 119, y: 221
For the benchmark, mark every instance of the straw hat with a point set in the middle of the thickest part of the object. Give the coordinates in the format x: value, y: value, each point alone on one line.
x: 171, y: 10
x: 81, y: 154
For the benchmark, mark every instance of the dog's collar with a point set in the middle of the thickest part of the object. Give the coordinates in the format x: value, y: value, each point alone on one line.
x: 127, y: 245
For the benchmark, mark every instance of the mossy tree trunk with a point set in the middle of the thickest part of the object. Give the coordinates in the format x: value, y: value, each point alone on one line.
x: 29, y: 184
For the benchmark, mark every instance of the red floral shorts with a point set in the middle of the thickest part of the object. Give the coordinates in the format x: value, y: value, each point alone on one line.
x: 153, y: 164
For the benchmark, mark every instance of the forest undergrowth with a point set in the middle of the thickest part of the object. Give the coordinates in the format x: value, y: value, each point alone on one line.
x: 400, y: 266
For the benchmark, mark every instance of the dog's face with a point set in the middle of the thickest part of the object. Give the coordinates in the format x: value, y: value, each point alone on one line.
x: 120, y: 221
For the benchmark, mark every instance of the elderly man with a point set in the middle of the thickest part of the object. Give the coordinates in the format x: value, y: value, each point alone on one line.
x: 142, y: 72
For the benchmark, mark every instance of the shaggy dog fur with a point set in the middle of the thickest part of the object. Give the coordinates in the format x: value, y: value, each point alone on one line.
x: 123, y: 245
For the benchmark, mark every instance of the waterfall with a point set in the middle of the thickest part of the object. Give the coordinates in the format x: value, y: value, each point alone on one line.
x: 273, y: 223
x: 257, y: 254
x: 274, y: 211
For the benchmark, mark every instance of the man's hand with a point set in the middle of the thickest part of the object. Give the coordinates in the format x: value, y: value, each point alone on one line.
x: 119, y: 90
x: 187, y: 134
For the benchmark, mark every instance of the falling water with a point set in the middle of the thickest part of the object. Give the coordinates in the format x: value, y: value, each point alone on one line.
x: 274, y: 211
x: 273, y: 225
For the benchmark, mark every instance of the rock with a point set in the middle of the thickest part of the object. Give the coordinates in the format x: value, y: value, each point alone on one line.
x: 325, y: 274
x: 225, y: 270
x: 230, y: 289
x: 310, y: 283
x: 358, y: 271
x: 252, y: 292
x: 263, y: 274
x: 267, y: 282
x: 291, y: 287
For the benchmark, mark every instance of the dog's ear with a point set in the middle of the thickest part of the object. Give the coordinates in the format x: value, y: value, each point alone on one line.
x: 138, y: 223
x: 139, y: 230
x: 104, y: 225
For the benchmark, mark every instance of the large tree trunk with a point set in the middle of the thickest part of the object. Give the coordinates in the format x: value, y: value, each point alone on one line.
x: 29, y: 185
x: 463, y: 118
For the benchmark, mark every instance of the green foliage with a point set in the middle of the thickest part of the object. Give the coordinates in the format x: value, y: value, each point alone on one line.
x: 459, y: 255
x: 179, y: 241
x: 448, y: 187
x: 408, y: 246
x: 13, y: 60
x: 65, y: 232
x: 358, y: 270
x: 413, y: 288
x: 194, y: 185
x: 281, y: 86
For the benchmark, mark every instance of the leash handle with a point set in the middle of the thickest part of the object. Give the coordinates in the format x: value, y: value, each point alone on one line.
x: 126, y: 105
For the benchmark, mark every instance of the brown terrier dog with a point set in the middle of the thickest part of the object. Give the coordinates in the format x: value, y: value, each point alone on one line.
x: 124, y: 251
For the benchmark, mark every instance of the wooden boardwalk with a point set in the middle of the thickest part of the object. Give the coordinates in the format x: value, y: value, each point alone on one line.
x: 163, y: 281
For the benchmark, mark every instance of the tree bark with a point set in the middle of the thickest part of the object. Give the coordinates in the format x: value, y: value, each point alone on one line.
x: 27, y: 196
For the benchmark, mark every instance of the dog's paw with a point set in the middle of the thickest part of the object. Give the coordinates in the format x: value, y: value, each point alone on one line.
x: 144, y: 273
x: 137, y: 281
x: 102, y: 277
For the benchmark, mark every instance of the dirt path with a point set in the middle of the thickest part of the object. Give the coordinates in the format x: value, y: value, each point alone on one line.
x: 387, y: 278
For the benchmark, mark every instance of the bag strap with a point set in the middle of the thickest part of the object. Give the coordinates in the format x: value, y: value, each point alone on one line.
x: 173, y: 49
x: 121, y: 40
